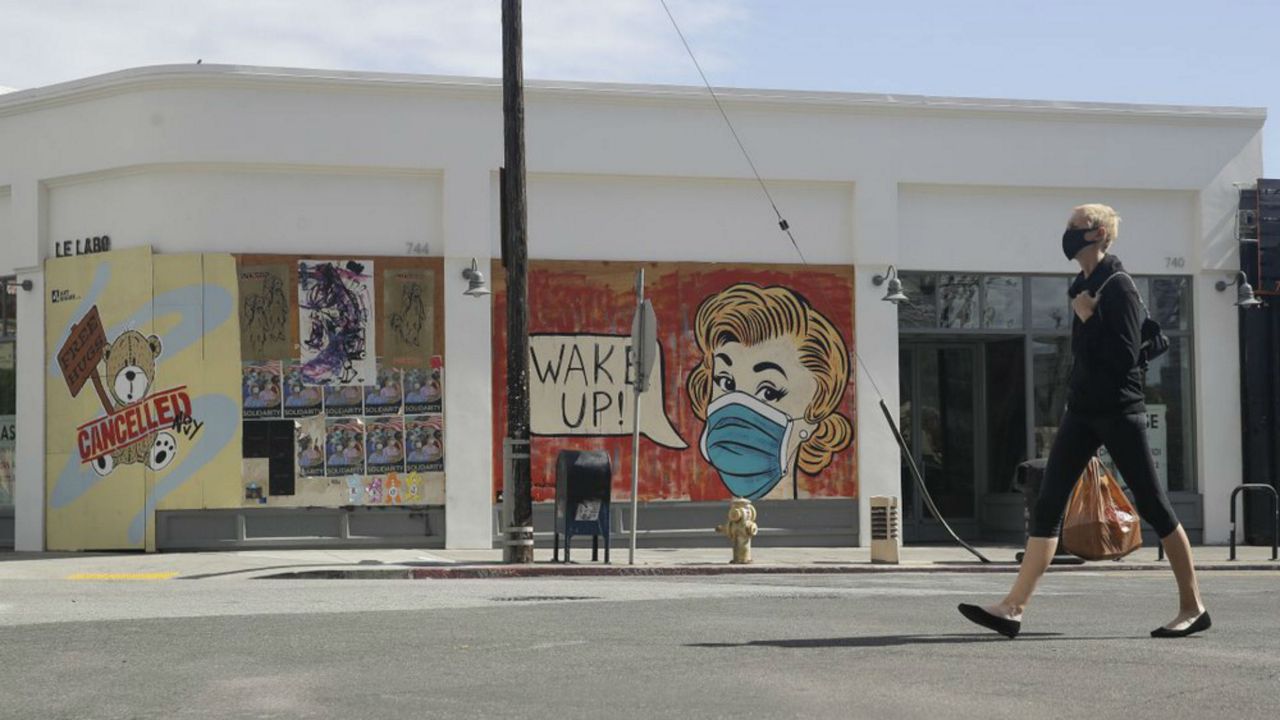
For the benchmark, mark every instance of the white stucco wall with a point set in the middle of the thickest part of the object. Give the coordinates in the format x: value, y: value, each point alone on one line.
x: 1019, y: 227
x: 6, y: 230
x: 237, y: 207
x: 222, y: 158
x: 584, y: 217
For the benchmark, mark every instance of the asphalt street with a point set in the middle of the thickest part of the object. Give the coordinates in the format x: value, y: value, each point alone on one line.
x: 778, y: 646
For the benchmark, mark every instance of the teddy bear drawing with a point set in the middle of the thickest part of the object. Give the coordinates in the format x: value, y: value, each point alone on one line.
x: 130, y: 364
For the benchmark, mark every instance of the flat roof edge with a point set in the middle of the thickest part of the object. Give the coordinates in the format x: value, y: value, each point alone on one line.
x: 158, y: 74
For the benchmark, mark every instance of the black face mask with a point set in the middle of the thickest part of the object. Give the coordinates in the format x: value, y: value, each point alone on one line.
x: 1073, y: 241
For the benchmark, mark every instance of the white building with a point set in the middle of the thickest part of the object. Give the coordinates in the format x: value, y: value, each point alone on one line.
x: 966, y: 198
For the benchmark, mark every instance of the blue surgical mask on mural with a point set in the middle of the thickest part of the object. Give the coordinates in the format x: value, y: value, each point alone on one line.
x: 746, y: 441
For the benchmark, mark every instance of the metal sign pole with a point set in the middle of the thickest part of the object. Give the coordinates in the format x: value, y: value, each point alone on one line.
x: 636, y: 353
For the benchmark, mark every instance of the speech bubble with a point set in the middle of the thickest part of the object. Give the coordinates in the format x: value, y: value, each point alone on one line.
x: 582, y: 386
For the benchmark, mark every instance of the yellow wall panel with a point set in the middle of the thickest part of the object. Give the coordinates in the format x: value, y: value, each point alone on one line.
x: 168, y: 419
x: 190, y: 288
x: 97, y: 504
x: 101, y: 517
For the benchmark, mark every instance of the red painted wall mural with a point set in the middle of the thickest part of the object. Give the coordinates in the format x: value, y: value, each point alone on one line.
x: 753, y: 395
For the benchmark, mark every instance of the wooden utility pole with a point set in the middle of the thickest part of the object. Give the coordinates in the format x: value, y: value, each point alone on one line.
x: 516, y: 256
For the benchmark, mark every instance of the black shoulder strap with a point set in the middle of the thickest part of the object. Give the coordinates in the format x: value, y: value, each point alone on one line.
x: 1132, y: 284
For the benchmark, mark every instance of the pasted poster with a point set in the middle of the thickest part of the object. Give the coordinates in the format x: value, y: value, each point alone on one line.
x: 396, y: 488
x: 390, y: 489
x: 355, y: 489
x: 260, y: 389
x: 424, y: 438
x: 385, y: 395
x: 753, y: 394
x: 300, y: 399
x: 309, y: 439
x: 335, y: 321
x: 264, y: 311
x: 142, y: 395
x: 393, y: 490
x: 384, y: 445
x: 424, y: 388
x: 408, y: 316
x: 343, y: 401
x: 344, y: 447
x: 412, y: 489
x: 374, y: 490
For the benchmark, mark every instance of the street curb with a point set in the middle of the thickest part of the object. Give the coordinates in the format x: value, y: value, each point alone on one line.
x: 480, y: 572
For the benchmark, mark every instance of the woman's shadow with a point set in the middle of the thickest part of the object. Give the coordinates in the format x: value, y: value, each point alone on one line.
x: 878, y: 641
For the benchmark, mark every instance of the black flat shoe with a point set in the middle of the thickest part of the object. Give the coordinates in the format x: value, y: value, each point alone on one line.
x: 1201, y: 623
x: 1004, y: 626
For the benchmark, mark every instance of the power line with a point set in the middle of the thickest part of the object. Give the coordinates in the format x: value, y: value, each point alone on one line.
x: 782, y: 222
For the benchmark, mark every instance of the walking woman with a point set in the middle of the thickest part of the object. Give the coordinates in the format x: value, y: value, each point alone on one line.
x: 1104, y: 407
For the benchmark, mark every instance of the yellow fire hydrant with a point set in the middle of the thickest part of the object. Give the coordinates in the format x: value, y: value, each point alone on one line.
x: 740, y: 528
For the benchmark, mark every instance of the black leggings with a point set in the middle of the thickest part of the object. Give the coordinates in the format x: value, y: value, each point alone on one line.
x: 1077, y: 440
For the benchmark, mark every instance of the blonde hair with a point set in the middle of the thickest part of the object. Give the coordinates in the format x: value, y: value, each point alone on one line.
x: 1101, y: 216
x: 750, y: 314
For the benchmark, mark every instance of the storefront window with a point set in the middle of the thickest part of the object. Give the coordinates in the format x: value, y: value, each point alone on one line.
x: 921, y: 311
x: 1169, y: 431
x: 1006, y: 410
x: 1051, y: 368
x: 906, y: 398
x: 1018, y: 329
x: 958, y: 301
x: 1002, y: 302
x: 948, y: 432
x: 1144, y: 290
x: 8, y: 387
x: 1170, y: 302
x: 988, y: 310
x: 1050, y: 308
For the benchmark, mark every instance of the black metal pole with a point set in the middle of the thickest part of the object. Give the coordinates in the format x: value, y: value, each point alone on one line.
x: 517, y: 286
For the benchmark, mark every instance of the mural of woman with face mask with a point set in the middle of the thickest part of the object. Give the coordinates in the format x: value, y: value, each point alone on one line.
x: 771, y: 379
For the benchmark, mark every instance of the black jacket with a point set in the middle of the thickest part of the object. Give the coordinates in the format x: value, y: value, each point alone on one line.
x: 1107, y: 377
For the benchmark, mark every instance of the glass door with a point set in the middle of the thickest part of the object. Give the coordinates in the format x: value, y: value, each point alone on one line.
x: 939, y: 389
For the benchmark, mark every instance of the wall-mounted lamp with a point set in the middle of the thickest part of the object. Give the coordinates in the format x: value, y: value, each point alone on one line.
x: 476, y: 286
x: 27, y: 285
x: 894, y: 292
x: 1244, y: 291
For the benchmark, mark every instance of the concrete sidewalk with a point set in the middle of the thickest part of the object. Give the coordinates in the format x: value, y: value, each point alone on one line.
x: 412, y: 563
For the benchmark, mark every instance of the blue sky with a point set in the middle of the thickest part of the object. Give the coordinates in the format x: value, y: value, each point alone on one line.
x: 1219, y: 52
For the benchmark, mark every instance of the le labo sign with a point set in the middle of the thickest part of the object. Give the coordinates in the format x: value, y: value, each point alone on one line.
x: 83, y: 246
